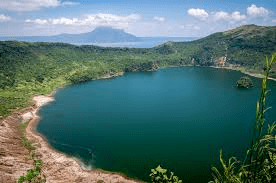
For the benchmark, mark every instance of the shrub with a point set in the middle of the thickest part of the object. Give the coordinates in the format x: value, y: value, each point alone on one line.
x: 159, y: 175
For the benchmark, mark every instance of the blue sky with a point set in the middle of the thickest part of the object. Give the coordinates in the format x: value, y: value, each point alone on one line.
x: 139, y: 17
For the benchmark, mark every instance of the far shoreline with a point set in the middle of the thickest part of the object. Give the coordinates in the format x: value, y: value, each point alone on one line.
x: 256, y: 75
x: 238, y: 69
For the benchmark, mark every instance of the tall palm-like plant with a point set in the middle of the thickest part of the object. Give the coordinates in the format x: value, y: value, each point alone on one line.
x: 259, y: 165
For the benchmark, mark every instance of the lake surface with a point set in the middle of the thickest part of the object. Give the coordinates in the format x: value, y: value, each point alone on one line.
x: 177, y: 117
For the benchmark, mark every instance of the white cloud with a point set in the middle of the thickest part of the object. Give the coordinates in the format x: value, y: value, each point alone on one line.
x: 69, y: 3
x: 160, y: 19
x: 28, y: 5
x: 99, y: 19
x: 38, y: 21
x: 255, y: 11
x: 235, y: 16
x: 199, y: 13
x: 221, y: 15
x: 190, y: 27
x: 4, y: 18
x: 196, y: 27
x: 64, y: 21
x: 274, y: 20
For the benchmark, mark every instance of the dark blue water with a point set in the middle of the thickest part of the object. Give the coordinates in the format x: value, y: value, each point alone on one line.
x: 177, y: 117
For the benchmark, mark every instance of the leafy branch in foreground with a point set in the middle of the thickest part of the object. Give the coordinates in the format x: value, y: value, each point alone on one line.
x: 159, y: 175
x: 259, y: 164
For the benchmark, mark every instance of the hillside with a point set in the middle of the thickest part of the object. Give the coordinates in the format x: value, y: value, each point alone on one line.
x: 246, y: 46
x: 28, y: 69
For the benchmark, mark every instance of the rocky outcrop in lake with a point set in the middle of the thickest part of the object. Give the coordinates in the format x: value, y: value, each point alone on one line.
x: 245, y: 82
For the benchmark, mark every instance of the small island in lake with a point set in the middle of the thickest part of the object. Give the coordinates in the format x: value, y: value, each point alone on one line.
x: 244, y: 82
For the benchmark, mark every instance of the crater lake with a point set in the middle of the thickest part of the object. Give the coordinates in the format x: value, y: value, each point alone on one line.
x: 178, y: 118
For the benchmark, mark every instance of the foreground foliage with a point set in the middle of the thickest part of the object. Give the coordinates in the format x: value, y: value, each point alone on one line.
x: 159, y: 175
x: 259, y: 165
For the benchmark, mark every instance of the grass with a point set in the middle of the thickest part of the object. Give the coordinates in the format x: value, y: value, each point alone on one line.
x: 33, y: 175
x: 28, y: 144
x: 259, y: 164
x: 100, y: 181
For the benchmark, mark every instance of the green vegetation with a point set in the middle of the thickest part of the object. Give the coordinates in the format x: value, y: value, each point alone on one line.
x: 33, y: 175
x: 245, y: 46
x: 28, y: 144
x: 159, y: 175
x: 100, y: 181
x: 244, y: 82
x: 259, y: 164
x: 28, y: 69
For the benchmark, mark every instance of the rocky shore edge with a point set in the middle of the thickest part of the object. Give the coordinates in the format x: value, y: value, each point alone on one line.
x: 57, y: 167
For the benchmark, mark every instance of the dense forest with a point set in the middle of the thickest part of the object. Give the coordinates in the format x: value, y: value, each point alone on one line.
x: 28, y: 69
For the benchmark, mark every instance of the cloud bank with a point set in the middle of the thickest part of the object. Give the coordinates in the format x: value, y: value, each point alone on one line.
x: 99, y: 19
x: 252, y: 12
x: 31, y: 5
x: 197, y: 21
x: 235, y: 16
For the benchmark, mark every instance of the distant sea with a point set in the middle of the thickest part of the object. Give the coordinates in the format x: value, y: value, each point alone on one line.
x: 148, y: 42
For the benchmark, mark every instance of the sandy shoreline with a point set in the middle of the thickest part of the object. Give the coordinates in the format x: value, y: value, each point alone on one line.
x: 256, y: 75
x: 58, y: 167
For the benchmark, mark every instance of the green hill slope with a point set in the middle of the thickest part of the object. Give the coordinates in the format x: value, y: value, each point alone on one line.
x: 245, y: 46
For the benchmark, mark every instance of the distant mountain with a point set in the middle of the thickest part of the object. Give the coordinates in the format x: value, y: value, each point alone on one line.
x: 98, y: 35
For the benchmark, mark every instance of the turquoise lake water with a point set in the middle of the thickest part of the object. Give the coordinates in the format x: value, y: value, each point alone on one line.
x: 176, y: 117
